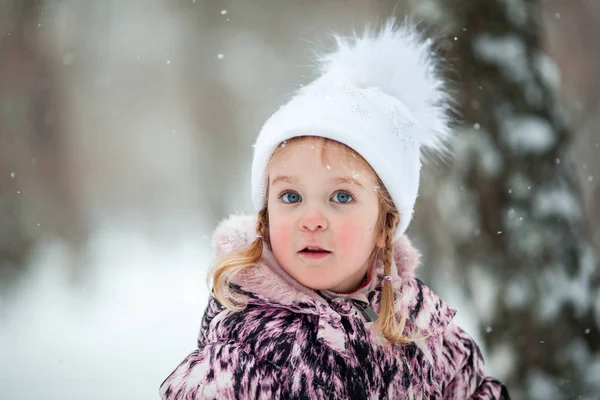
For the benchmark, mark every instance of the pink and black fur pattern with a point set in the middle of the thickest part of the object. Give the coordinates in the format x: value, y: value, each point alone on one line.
x: 291, y: 343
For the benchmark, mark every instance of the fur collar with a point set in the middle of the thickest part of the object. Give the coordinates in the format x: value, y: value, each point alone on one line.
x: 270, y: 284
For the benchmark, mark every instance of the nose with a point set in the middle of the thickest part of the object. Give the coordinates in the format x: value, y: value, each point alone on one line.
x: 313, y: 220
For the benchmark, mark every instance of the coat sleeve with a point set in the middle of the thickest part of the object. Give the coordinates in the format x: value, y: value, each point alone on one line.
x: 222, y: 371
x: 465, y: 375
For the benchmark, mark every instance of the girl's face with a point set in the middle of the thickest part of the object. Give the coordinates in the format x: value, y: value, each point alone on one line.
x: 330, y: 205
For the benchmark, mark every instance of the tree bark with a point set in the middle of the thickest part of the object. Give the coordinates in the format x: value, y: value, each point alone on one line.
x: 523, y: 247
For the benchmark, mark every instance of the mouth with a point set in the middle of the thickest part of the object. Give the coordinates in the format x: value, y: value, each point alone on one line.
x: 314, y: 252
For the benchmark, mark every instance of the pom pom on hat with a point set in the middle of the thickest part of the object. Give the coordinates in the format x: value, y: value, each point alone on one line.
x: 403, y: 65
x: 381, y: 95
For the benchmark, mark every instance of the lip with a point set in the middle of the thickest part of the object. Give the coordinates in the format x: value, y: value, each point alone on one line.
x: 313, y: 246
x: 314, y: 256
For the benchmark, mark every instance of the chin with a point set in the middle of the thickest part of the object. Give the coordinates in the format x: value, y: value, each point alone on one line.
x: 316, y: 283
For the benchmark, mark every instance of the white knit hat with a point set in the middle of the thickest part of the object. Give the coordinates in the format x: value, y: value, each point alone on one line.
x: 379, y: 94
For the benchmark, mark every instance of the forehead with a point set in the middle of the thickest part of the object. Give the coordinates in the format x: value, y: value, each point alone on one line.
x: 317, y: 157
x: 308, y: 147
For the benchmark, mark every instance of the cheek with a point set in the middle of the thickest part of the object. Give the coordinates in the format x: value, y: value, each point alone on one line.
x: 280, y: 233
x: 353, y: 236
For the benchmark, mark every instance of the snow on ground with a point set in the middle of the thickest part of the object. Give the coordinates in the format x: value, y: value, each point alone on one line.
x: 118, y: 335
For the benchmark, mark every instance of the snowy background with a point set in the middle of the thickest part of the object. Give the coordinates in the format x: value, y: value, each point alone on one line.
x: 125, y: 136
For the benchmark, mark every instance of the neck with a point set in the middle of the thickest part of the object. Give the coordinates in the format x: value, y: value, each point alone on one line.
x: 364, y: 284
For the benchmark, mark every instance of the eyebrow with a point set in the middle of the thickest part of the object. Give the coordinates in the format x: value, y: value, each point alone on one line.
x: 336, y: 180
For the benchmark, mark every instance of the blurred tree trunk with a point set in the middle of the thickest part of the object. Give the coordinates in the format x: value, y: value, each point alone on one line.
x: 15, y: 50
x: 211, y: 101
x: 521, y: 247
x: 35, y: 189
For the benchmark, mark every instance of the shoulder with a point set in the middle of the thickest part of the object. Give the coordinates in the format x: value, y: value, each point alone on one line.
x: 465, y: 375
x: 460, y: 348
x: 265, y: 331
x: 461, y: 356
x: 239, y: 353
x: 222, y: 371
x: 428, y: 315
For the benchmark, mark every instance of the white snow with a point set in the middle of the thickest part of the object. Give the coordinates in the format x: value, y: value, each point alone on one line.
x: 592, y: 373
x: 503, y: 358
x: 555, y: 201
x: 520, y: 185
x: 485, y: 289
x: 517, y: 293
x: 491, y: 159
x: 116, y: 337
x: 527, y: 241
x: 542, y: 386
x: 465, y: 220
x: 560, y: 288
x: 507, y: 52
x: 516, y: 11
x: 578, y: 351
x: 547, y: 68
x: 429, y: 10
x: 476, y: 141
x: 528, y: 134
x: 514, y: 219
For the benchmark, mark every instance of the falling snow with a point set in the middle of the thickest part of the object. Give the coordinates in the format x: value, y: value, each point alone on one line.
x: 520, y: 185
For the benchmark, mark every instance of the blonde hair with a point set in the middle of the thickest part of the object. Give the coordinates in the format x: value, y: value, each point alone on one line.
x: 226, y: 267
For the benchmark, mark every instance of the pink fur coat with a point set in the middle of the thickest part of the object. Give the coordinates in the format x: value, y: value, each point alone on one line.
x: 292, y: 343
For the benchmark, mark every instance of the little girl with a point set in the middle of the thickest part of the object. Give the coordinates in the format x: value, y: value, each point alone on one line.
x: 316, y: 296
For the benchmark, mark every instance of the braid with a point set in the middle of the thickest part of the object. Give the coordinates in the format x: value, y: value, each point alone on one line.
x: 262, y: 226
x: 389, y: 327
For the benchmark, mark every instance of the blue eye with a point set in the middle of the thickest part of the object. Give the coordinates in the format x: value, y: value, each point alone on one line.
x: 342, y: 197
x: 292, y: 197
